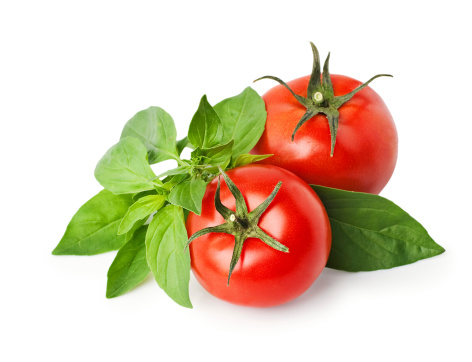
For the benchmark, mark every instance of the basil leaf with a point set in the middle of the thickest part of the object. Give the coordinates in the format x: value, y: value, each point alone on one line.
x: 170, y: 264
x: 93, y: 229
x: 137, y: 196
x: 124, y: 168
x: 189, y: 194
x: 155, y: 128
x: 243, y: 118
x: 129, y: 268
x: 205, y: 129
x: 181, y: 144
x: 145, y: 206
x: 175, y: 171
x: 246, y: 159
x: 371, y: 232
x: 218, y: 155
x: 171, y: 181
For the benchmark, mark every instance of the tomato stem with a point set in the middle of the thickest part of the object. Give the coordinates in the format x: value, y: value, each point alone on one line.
x: 242, y: 224
x: 320, y: 97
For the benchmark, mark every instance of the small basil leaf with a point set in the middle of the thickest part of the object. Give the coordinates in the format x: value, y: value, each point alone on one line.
x: 124, y: 168
x: 205, y: 129
x: 155, y: 128
x: 145, y: 206
x: 137, y: 225
x: 137, y: 196
x: 93, y: 229
x: 218, y: 155
x: 246, y: 159
x: 215, y: 170
x: 175, y: 171
x: 129, y: 268
x: 189, y: 194
x: 166, y: 239
x: 181, y: 144
x: 371, y: 232
x: 243, y: 118
x: 171, y: 181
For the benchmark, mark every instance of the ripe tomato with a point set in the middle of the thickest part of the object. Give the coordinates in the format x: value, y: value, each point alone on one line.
x: 263, y: 276
x: 365, y: 151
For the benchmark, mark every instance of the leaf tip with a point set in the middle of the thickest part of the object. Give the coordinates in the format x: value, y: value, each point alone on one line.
x: 186, y: 304
x: 110, y: 295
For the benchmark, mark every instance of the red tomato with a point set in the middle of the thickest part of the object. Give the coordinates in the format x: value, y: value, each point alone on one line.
x: 366, y: 147
x: 263, y: 276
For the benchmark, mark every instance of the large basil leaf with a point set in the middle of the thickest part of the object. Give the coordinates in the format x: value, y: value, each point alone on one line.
x: 243, y: 118
x: 155, y: 128
x: 129, y: 267
x: 145, y: 206
x: 189, y: 194
x: 170, y: 264
x: 93, y: 229
x: 205, y: 129
x: 125, y: 169
x: 371, y: 232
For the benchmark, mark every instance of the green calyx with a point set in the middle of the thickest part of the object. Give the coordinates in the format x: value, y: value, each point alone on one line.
x: 241, y: 224
x: 320, y: 96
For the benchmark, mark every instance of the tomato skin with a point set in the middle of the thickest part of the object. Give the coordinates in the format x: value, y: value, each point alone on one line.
x: 263, y: 276
x: 366, y: 147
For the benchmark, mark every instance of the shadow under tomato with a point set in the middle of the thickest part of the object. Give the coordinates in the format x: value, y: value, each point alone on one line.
x: 323, y: 291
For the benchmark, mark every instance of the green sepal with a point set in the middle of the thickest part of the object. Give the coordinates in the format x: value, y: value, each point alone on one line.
x: 320, y: 97
x: 241, y: 224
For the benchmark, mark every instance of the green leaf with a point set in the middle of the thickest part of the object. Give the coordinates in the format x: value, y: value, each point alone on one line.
x: 181, y: 144
x: 371, y: 232
x: 171, y: 181
x: 93, y: 229
x: 205, y: 129
x: 155, y: 128
x: 145, y: 206
x: 246, y: 159
x: 170, y: 264
x: 218, y: 155
x: 137, y: 196
x: 129, y: 267
x: 243, y: 118
x: 175, y: 171
x: 124, y: 168
x: 189, y: 194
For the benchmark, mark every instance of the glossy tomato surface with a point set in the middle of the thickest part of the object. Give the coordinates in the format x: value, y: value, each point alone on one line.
x: 366, y: 144
x: 263, y: 276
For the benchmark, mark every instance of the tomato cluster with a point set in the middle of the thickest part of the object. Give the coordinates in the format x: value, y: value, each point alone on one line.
x: 326, y: 130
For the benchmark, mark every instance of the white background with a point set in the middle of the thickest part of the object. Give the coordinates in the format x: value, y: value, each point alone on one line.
x: 71, y: 75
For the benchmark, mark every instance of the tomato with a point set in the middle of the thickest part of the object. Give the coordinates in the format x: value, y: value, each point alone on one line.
x: 263, y: 276
x: 366, y: 144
